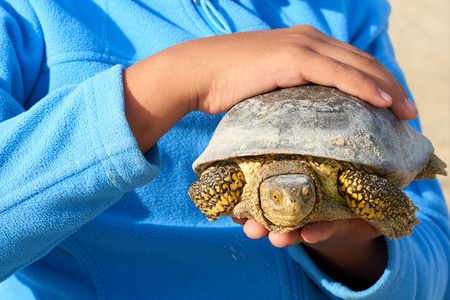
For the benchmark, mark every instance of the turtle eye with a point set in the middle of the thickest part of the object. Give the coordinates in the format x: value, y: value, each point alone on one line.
x: 306, y: 191
x: 276, y: 197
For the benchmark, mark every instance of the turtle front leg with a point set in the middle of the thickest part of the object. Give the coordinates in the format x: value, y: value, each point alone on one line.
x: 218, y: 190
x: 380, y: 202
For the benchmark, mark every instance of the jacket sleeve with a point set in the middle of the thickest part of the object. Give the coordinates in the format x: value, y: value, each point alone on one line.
x: 418, y: 266
x: 66, y: 158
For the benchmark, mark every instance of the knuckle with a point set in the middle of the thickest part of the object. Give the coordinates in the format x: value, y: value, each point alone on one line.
x: 363, y: 80
x: 307, y: 30
x: 292, y: 52
x: 366, y: 61
x: 370, y: 57
x: 340, y: 67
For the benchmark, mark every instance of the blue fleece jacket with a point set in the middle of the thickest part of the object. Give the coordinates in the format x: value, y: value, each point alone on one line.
x: 84, y: 215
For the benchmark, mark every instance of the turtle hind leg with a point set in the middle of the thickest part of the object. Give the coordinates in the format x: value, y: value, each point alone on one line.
x: 218, y: 190
x: 380, y: 202
x: 434, y: 166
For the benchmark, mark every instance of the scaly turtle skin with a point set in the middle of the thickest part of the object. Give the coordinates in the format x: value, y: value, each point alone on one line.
x: 309, y: 154
x: 218, y: 190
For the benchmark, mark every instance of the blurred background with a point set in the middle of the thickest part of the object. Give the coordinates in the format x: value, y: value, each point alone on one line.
x: 420, y: 32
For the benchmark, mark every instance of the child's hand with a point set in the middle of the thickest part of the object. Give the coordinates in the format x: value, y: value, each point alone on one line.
x: 312, y: 233
x: 213, y: 74
x: 250, y: 63
x: 351, y: 251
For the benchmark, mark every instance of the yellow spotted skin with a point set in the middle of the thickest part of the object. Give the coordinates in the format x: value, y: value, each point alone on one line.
x: 378, y: 201
x: 218, y: 190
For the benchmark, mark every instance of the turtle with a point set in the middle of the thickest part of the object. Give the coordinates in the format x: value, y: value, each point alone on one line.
x: 313, y: 153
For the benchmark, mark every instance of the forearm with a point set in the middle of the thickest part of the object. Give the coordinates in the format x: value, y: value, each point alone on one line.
x: 71, y: 157
x: 156, y: 98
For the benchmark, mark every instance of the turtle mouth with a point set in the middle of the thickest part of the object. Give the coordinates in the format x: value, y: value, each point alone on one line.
x: 293, y: 219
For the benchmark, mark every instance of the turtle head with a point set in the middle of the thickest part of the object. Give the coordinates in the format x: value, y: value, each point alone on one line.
x: 287, y: 199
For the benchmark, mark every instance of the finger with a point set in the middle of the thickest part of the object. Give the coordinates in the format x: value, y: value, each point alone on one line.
x: 320, y: 36
x: 404, y: 110
x: 255, y: 230
x: 286, y: 239
x: 367, y: 64
x: 389, y: 87
x: 341, y: 50
x: 317, y: 232
x: 401, y: 106
x: 353, y: 229
x: 328, y: 71
x: 239, y: 221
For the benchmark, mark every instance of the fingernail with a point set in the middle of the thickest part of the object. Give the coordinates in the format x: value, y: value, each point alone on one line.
x: 386, y: 97
x: 310, y: 241
x: 412, y: 109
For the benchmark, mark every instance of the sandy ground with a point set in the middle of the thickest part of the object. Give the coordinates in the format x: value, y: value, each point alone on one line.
x: 420, y: 32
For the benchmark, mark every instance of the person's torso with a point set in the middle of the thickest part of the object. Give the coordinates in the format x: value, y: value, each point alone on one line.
x: 154, y: 243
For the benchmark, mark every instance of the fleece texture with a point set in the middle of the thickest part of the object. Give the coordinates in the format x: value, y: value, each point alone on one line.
x: 85, y: 215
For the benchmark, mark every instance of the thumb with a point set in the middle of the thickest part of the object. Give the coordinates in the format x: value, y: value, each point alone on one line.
x: 317, y: 232
x: 354, y: 229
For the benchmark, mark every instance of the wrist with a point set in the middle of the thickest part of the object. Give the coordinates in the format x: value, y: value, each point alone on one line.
x: 155, y: 100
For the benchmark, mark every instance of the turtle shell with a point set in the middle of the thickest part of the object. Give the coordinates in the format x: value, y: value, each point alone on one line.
x: 322, y: 122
